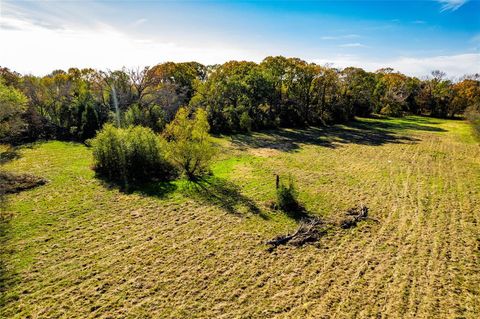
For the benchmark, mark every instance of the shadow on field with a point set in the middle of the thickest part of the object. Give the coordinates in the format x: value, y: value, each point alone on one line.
x: 5, y: 276
x: 298, y: 214
x: 9, y: 155
x: 158, y: 189
x: 373, y: 133
x: 224, y: 194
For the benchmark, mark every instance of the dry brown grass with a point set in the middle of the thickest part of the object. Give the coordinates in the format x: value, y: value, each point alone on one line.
x: 74, y: 248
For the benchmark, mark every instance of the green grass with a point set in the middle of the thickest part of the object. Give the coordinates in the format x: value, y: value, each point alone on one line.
x: 77, y: 248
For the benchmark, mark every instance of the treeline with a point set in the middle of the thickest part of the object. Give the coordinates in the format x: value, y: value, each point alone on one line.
x: 237, y: 96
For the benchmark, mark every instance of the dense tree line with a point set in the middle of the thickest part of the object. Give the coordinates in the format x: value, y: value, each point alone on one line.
x: 237, y: 96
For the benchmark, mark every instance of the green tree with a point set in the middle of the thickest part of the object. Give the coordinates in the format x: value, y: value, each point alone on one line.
x: 12, y: 106
x: 190, y: 146
x: 391, y: 93
x: 358, y: 86
x: 90, y: 122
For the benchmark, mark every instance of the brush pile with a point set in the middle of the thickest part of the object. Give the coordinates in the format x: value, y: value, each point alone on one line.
x: 311, y: 229
x: 354, y: 215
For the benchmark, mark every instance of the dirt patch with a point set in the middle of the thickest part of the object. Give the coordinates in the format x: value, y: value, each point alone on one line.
x: 13, y: 183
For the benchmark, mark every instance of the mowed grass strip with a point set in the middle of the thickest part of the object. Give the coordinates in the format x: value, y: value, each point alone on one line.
x: 76, y: 248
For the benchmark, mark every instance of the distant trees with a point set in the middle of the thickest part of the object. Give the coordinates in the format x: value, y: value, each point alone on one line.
x: 277, y: 92
x: 391, y: 94
x: 357, y: 90
x: 237, y: 96
x: 466, y: 96
x: 13, y: 104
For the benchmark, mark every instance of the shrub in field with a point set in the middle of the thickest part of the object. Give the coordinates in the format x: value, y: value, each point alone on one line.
x: 287, y: 197
x: 129, y: 155
x: 473, y: 115
x: 190, y: 146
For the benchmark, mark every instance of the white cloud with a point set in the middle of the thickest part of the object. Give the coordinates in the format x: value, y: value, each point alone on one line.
x: 353, y: 45
x: 340, y: 37
x: 40, y: 45
x: 33, y: 48
x: 139, y: 22
x: 451, y: 5
x: 453, y: 65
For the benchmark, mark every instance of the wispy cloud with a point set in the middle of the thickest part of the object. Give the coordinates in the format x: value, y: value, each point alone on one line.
x: 451, y: 5
x: 353, y: 45
x: 340, y: 37
x: 453, y: 65
x: 476, y: 38
x: 139, y: 22
x: 419, y: 22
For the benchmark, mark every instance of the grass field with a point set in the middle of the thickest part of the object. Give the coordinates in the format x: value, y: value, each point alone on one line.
x: 77, y: 248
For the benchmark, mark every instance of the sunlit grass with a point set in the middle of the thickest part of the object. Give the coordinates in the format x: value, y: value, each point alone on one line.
x: 77, y: 247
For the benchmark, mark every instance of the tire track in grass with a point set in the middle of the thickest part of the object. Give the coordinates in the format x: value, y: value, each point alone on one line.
x: 325, y: 279
x: 365, y: 274
x: 399, y: 238
x: 439, y: 285
x: 421, y: 249
x: 402, y: 239
x: 351, y: 268
x: 381, y: 276
x: 397, y: 267
x: 465, y: 258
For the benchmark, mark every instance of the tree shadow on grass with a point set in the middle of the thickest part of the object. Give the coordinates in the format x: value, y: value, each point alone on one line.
x: 397, y: 125
x: 224, y: 194
x: 159, y: 189
x: 298, y: 214
x: 9, y: 155
x: 372, y: 133
x: 156, y: 189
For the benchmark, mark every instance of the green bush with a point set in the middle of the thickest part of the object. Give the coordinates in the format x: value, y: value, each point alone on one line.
x: 287, y: 197
x: 472, y: 113
x: 130, y: 155
x: 190, y: 147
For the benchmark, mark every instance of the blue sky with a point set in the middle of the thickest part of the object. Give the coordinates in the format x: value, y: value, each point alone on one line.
x: 413, y: 37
